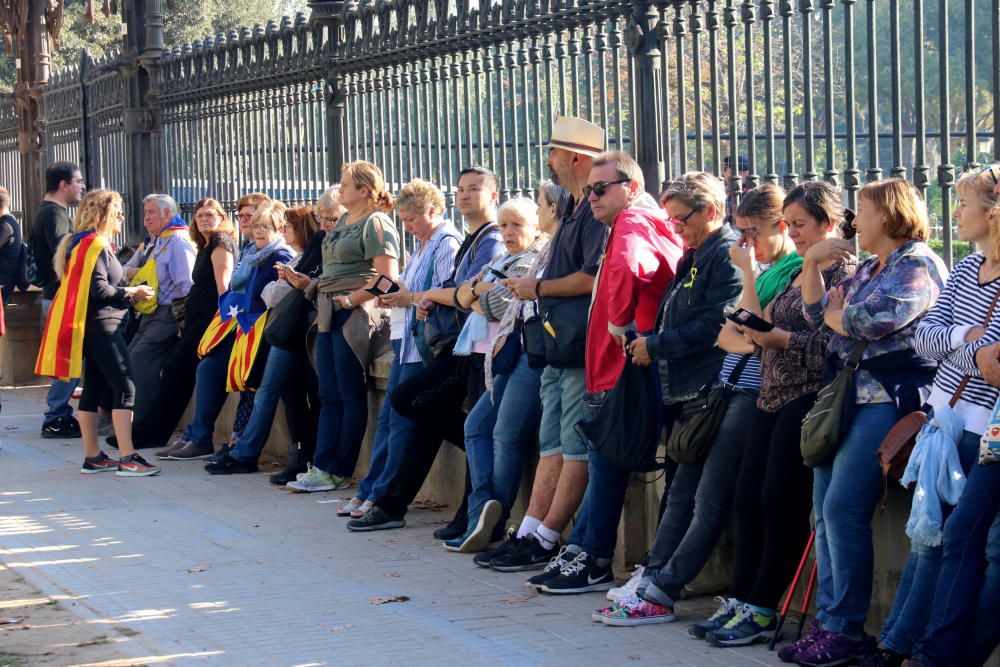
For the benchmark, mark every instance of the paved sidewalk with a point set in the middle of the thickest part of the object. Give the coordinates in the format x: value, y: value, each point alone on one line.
x: 187, y: 568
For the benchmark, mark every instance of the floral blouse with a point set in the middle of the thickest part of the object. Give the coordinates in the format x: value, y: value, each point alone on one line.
x: 884, y: 308
x: 790, y: 373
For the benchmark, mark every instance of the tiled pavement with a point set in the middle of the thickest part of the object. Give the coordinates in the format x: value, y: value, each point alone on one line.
x: 235, y: 572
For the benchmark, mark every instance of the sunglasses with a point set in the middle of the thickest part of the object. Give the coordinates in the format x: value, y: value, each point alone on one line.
x: 600, y: 188
x: 989, y: 169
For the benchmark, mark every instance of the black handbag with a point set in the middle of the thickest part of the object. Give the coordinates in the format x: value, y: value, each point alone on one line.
x: 694, y: 430
x: 627, y: 429
x: 286, y: 324
x: 565, y: 325
x: 533, y: 339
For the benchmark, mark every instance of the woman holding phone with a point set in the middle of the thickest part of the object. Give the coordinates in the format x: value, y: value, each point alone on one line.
x: 363, y: 245
x: 774, y: 486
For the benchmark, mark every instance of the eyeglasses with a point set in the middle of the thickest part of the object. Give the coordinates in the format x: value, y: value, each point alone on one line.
x: 600, y: 188
x: 989, y: 169
x: 262, y: 228
x: 244, y: 216
x: 683, y: 219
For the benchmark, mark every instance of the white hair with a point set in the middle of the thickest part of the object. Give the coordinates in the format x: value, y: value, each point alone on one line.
x: 164, y: 202
x: 523, y: 207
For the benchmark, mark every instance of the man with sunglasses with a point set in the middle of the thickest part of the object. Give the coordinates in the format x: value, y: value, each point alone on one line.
x: 563, y: 295
x: 638, y: 266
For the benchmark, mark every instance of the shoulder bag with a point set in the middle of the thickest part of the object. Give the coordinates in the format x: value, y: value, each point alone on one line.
x: 894, y: 452
x: 694, y: 430
x: 821, y: 427
x: 287, y: 322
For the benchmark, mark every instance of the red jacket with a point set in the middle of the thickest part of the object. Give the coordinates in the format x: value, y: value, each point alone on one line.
x: 638, y: 267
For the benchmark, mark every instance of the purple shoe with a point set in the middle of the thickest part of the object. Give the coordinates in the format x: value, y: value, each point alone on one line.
x: 835, y: 649
x: 790, y: 653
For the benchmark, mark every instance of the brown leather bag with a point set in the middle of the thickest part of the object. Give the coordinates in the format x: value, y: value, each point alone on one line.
x: 894, y: 452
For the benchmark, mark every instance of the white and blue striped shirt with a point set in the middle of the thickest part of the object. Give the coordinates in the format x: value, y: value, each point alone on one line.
x: 963, y: 304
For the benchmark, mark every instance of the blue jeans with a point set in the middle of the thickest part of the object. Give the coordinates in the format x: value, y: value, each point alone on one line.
x: 498, y: 431
x: 209, y: 393
x: 915, y: 595
x: 392, y: 431
x: 699, y: 504
x: 845, y: 494
x: 596, y: 527
x: 265, y: 403
x: 963, y: 628
x: 60, y: 393
x: 343, y: 396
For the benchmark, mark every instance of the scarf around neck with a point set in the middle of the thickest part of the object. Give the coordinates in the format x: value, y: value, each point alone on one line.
x: 773, y: 281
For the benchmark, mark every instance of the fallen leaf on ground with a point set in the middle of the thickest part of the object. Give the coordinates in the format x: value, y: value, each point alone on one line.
x: 429, y: 505
x: 8, y: 620
x: 341, y: 628
x: 386, y: 600
x: 514, y: 599
x: 10, y: 427
x: 18, y: 627
x: 392, y: 574
x: 200, y: 568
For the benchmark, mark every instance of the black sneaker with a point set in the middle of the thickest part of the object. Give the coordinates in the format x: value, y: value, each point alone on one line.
x: 483, y: 558
x: 230, y: 465
x: 375, y: 519
x: 552, y: 570
x: 454, y: 529
x: 882, y: 657
x: 61, y: 427
x: 221, y: 454
x: 527, y: 554
x: 581, y: 575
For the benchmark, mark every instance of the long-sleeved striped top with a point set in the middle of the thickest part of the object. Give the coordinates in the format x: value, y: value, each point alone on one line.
x: 963, y: 304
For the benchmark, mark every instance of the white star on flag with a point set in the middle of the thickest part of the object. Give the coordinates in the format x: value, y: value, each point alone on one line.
x: 234, y: 311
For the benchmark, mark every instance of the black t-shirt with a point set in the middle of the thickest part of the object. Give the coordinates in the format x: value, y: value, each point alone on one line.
x: 577, y: 246
x: 10, y: 249
x: 51, y: 224
x: 203, y: 298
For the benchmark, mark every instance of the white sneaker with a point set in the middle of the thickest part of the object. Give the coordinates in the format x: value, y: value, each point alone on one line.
x: 629, y: 588
x: 316, y: 480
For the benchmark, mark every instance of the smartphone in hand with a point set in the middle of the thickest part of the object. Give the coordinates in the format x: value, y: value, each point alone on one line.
x: 745, y: 318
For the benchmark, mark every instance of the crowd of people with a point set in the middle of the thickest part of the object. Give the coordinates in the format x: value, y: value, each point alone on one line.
x: 514, y: 336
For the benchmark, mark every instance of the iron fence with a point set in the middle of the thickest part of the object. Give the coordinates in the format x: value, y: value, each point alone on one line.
x: 844, y: 90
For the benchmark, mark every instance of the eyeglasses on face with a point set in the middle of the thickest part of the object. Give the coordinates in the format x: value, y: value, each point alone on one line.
x: 262, y: 228
x: 244, y: 216
x: 684, y: 218
x: 600, y: 188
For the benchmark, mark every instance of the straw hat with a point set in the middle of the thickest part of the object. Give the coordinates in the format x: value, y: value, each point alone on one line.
x: 577, y: 135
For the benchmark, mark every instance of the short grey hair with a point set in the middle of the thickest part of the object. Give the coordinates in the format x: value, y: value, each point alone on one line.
x: 697, y: 190
x: 522, y: 207
x: 164, y: 202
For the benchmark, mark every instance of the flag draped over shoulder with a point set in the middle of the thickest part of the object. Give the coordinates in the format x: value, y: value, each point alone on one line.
x: 61, y: 351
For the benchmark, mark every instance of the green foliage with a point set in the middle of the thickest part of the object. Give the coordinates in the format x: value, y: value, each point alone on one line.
x: 184, y: 21
x: 959, y: 250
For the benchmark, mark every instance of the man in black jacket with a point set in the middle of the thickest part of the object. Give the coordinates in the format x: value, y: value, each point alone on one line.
x: 63, y: 188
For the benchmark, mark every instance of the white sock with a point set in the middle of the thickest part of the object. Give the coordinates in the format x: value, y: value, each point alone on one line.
x: 547, y: 537
x: 528, y: 525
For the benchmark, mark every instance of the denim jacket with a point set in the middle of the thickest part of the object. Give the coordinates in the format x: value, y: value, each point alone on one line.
x: 685, y: 340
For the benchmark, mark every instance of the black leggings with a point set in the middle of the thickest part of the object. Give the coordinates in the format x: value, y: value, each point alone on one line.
x: 773, y: 501
x: 106, y: 367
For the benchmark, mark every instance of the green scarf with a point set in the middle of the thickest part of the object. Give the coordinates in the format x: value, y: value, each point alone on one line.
x: 773, y: 281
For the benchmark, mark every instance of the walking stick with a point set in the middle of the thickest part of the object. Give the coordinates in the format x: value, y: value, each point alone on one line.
x: 805, y: 603
x: 791, y: 591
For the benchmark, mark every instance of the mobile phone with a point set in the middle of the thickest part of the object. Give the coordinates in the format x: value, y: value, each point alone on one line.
x: 498, y: 273
x: 383, y: 285
x: 745, y: 318
x: 847, y: 225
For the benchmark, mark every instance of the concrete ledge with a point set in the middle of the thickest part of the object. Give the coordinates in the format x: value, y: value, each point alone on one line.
x: 19, y: 346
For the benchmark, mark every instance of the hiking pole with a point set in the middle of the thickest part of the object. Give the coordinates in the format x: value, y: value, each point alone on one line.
x: 805, y: 603
x: 791, y: 591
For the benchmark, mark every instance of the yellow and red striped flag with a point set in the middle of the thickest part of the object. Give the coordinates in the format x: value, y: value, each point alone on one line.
x: 216, y: 332
x: 61, y: 352
x: 245, y: 349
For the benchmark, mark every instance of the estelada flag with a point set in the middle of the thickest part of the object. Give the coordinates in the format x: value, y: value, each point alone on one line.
x: 249, y: 353
x: 61, y: 352
x: 215, y: 333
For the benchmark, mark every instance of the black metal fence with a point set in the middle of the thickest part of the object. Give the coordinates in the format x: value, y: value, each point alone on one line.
x: 844, y: 90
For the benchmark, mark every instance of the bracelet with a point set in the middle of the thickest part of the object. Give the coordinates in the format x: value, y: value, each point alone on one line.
x: 347, y: 300
x: 411, y: 299
x: 538, y: 288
